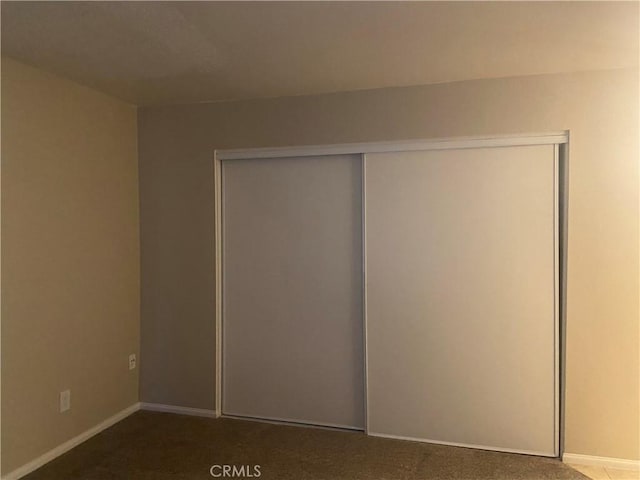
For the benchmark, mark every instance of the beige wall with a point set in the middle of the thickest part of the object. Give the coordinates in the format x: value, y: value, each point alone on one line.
x: 600, y: 109
x: 70, y: 259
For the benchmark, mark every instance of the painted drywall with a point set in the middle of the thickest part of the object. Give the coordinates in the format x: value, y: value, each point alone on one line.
x: 70, y: 259
x: 600, y: 109
x: 188, y: 52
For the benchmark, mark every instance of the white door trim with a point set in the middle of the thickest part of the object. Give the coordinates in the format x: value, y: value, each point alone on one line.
x: 396, y: 146
x: 363, y: 186
x: 217, y: 186
x: 556, y: 298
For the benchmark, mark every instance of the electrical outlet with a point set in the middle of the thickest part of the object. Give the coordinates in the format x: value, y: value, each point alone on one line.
x: 65, y: 400
x: 132, y: 361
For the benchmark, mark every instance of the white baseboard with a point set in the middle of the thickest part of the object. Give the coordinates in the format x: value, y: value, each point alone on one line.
x: 619, y: 463
x: 69, y: 444
x: 197, y: 412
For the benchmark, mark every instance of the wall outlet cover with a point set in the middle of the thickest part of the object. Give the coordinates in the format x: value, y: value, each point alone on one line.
x: 65, y: 400
x: 132, y: 361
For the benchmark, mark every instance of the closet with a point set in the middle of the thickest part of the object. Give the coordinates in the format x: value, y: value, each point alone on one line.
x: 407, y: 289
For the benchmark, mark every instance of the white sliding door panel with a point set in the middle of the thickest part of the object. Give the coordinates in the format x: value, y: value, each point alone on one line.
x: 460, y: 297
x: 292, y: 290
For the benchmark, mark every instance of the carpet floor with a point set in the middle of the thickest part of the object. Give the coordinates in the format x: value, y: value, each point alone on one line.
x: 159, y: 446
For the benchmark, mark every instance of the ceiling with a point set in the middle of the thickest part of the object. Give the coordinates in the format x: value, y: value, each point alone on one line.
x: 152, y: 53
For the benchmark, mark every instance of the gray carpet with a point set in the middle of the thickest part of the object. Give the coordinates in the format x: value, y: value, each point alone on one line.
x: 162, y: 446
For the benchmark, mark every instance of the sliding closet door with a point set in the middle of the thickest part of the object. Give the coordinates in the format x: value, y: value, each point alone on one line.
x: 292, y: 290
x: 460, y: 297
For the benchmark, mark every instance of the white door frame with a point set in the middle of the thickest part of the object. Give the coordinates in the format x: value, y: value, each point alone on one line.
x: 557, y: 139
